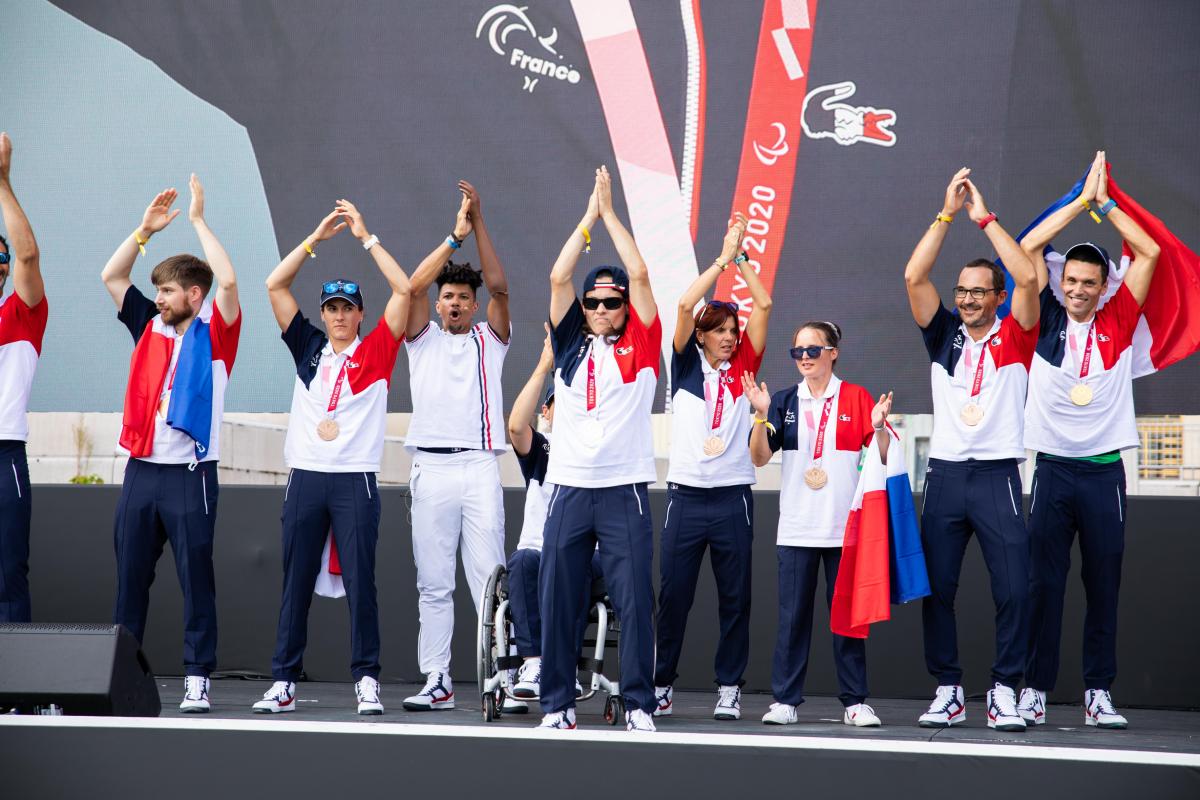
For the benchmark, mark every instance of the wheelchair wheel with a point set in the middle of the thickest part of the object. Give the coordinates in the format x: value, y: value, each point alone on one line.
x: 491, y: 711
x: 614, y: 710
x: 486, y: 666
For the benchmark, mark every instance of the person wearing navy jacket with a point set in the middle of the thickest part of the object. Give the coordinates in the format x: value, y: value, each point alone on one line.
x: 709, y: 502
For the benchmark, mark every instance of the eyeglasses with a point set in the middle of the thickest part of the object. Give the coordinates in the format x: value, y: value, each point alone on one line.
x: 812, y: 352
x: 611, y: 303
x: 715, y: 304
x: 976, y: 292
x: 349, y: 287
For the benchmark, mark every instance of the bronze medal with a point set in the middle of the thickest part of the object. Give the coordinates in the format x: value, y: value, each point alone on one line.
x: 714, y: 446
x: 1081, y: 394
x: 971, y: 414
x: 327, y: 429
x: 815, y: 477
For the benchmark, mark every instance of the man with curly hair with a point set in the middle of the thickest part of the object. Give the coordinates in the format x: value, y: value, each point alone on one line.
x: 455, y: 436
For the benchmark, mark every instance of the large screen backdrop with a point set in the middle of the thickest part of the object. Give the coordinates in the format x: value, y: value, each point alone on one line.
x: 840, y: 122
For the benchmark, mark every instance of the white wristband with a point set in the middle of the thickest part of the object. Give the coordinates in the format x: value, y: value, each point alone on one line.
x: 369, y: 243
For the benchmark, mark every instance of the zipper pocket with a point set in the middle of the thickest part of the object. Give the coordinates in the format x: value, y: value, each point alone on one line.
x: 16, y: 478
x: 1012, y: 499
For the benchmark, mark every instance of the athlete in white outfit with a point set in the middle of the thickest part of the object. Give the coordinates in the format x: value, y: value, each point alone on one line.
x: 455, y: 436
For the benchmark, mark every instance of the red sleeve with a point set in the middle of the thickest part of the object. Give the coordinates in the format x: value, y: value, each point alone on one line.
x: 1017, y: 345
x: 745, y: 359
x: 856, y: 432
x: 648, y: 340
x: 379, y: 351
x: 20, y: 323
x: 224, y: 337
x: 1119, y: 318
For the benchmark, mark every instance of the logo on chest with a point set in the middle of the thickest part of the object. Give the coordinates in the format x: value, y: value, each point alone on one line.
x: 789, y: 418
x: 624, y: 351
x: 843, y: 417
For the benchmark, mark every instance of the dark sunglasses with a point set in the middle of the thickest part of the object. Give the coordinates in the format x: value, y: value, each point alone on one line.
x: 4, y: 258
x: 812, y: 352
x: 977, y: 293
x: 611, y: 303
x: 350, y: 287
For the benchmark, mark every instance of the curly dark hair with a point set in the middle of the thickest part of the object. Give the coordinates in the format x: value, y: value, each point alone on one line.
x: 460, y: 274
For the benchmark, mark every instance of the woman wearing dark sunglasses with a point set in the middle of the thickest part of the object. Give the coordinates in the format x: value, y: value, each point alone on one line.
x: 709, y: 505
x: 822, y: 424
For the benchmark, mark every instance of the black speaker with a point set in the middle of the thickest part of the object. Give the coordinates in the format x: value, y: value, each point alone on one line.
x: 96, y: 670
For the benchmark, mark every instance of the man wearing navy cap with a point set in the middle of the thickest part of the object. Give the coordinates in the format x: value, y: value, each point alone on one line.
x: 333, y: 448
x: 1078, y: 418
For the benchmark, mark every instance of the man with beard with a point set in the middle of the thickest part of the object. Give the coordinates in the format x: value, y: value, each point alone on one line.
x: 979, y: 370
x: 184, y: 350
x: 22, y: 324
x: 455, y: 436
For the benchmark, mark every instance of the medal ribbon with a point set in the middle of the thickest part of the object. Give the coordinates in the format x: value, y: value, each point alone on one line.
x: 977, y: 384
x: 719, y: 405
x: 337, y: 389
x: 1086, y: 363
x: 591, y: 383
x: 819, y: 447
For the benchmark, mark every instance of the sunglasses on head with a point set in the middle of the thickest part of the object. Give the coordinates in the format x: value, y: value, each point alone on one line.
x: 713, y: 305
x: 349, y: 287
x: 611, y: 303
x: 813, y: 351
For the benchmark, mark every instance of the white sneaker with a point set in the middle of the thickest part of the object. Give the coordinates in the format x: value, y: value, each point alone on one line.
x: 663, y: 700
x: 1002, y: 709
x: 438, y: 694
x: 639, y: 721
x: 367, y: 692
x: 529, y: 678
x: 948, y: 708
x: 729, y: 703
x: 279, y: 698
x: 1098, y: 710
x: 561, y: 720
x: 860, y: 715
x: 511, y: 705
x: 195, y: 695
x: 1032, y: 706
x: 781, y: 714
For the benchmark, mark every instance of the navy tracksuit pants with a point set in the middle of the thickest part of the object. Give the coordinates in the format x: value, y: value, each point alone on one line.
x: 313, y: 503
x: 618, y: 517
x: 984, y: 498
x: 720, y: 520
x: 173, y: 503
x: 15, y: 513
x: 523, y: 568
x: 798, y: 567
x: 1070, y: 496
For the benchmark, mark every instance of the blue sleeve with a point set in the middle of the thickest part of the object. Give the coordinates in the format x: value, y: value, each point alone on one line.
x: 136, y: 311
x: 939, y: 332
x: 304, y: 340
x: 776, y: 416
x: 534, y: 463
x: 566, y: 335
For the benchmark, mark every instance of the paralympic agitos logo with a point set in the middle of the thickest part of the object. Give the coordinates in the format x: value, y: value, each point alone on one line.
x: 508, y: 21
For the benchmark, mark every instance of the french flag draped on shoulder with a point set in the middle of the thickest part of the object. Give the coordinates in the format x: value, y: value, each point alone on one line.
x: 882, y: 560
x: 1169, y: 329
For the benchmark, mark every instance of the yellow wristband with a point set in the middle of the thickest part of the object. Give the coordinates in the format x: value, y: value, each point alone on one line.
x: 141, y: 243
x: 308, y: 248
x: 1088, y: 206
x: 758, y: 421
x: 587, y: 239
x: 946, y: 218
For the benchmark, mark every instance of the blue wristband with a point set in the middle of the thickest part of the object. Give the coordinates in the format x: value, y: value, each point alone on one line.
x: 454, y: 243
x: 1107, y: 207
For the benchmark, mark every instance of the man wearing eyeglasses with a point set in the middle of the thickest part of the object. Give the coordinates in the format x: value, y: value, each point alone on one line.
x: 979, y: 371
x: 23, y: 317
x: 455, y: 436
x: 333, y: 449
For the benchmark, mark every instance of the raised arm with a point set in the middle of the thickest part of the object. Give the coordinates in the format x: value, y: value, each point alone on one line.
x: 922, y: 294
x: 157, y: 216
x: 685, y: 324
x: 25, y: 261
x: 395, y: 313
x: 427, y: 271
x: 879, y: 415
x: 279, y: 282
x: 1145, y: 250
x: 760, y: 314
x: 562, y: 274
x: 223, y: 275
x: 760, y: 402
x: 1036, y: 240
x: 1025, y: 304
x: 526, y: 405
x: 493, y: 271
x: 641, y: 296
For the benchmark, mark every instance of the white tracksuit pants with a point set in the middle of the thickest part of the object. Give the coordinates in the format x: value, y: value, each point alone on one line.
x: 455, y: 496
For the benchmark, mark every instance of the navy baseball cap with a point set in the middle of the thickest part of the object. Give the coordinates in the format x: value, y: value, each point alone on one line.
x: 549, y: 396
x: 619, y: 280
x: 347, y: 290
x: 1087, y: 249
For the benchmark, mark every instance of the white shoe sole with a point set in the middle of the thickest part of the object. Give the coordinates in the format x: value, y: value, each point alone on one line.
x: 445, y: 705
x: 1105, y: 726
x: 780, y: 722
x: 514, y: 708
x: 274, y: 709
x: 1006, y: 727
x: 525, y: 693
x: 195, y: 709
x: 856, y: 724
x: 951, y: 722
x: 663, y: 712
x: 727, y: 714
x: 1031, y: 719
x: 370, y: 710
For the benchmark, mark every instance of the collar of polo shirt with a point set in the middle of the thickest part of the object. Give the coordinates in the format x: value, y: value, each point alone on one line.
x: 830, y: 389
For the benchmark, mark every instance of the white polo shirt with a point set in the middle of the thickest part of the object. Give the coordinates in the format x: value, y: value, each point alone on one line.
x: 21, y: 331
x: 817, y: 517
x: 537, y: 492
x: 361, y: 412
x: 954, y: 358
x: 697, y: 386
x: 1055, y: 425
x: 457, y: 397
x: 626, y: 372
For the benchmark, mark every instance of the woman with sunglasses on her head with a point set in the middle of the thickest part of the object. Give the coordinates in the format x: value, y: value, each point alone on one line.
x: 709, y: 504
x: 822, y: 423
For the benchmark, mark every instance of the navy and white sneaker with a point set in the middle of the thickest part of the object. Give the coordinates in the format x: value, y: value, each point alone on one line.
x: 1002, y: 709
x: 438, y: 694
x: 639, y: 721
x: 1098, y: 710
x: 559, y: 720
x: 367, y: 692
x: 1032, y: 706
x: 195, y: 695
x: 729, y: 703
x: 529, y: 679
x: 663, y: 700
x: 948, y: 708
x: 279, y: 698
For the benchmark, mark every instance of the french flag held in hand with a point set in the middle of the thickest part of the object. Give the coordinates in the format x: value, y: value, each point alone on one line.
x: 882, y: 560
